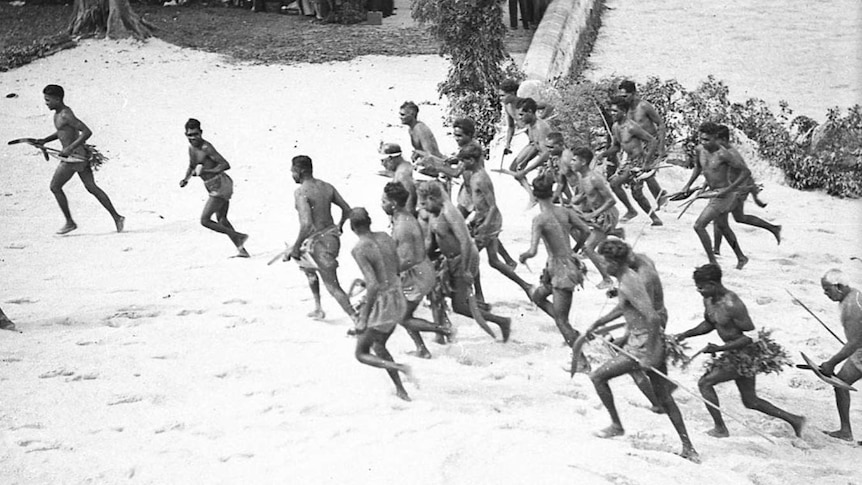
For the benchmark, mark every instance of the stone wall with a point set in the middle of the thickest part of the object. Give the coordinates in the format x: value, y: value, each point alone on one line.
x: 563, y: 39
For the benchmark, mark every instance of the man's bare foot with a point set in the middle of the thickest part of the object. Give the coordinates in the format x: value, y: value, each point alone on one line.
x: 402, y: 394
x: 741, y: 262
x: 718, y: 433
x: 656, y: 221
x: 716, y: 251
x: 759, y: 202
x: 6, y: 324
x: 689, y: 454
x: 69, y: 227
x: 777, y: 235
x: 505, y: 328
x: 610, y: 432
x: 421, y: 353
x: 605, y: 284
x: 242, y: 253
x: 120, y: 222
x: 661, y: 200
x: 628, y: 216
x: 799, y: 426
x: 241, y: 240
x: 317, y: 314
x: 840, y: 434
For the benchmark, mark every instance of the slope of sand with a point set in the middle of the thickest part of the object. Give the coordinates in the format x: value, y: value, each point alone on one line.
x: 152, y: 357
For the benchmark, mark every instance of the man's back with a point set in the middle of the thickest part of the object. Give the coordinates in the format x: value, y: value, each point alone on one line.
x: 319, y: 197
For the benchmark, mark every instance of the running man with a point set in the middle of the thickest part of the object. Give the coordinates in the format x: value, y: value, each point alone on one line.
x: 645, y: 330
x: 317, y: 245
x: 599, y: 206
x: 421, y: 137
x: 638, y: 146
x: 402, y: 171
x: 73, y: 134
x: 837, y: 288
x: 717, y: 164
x: 414, y: 268
x: 208, y: 164
x: 459, y: 257
x: 537, y: 131
x: 725, y: 312
x: 376, y: 255
x: 747, y: 187
x: 645, y: 115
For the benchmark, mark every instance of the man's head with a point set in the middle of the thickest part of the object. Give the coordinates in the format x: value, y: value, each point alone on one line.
x: 430, y: 195
x: 54, y: 95
x: 617, y: 254
x: 390, y: 155
x: 582, y: 158
x: 408, y: 113
x: 395, y: 196
x: 723, y: 134
x: 472, y: 156
x: 627, y: 90
x: 555, y: 143
x: 508, y: 89
x: 360, y: 221
x: 543, y: 188
x: 707, y: 279
x: 708, y: 135
x: 301, y: 167
x: 463, y: 130
x: 194, y: 132
x: 619, y: 108
x: 835, y: 284
x: 527, y: 110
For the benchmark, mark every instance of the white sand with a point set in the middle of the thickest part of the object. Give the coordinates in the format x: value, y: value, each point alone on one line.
x: 152, y: 357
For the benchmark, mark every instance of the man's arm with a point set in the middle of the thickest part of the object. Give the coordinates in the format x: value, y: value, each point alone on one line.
x: 535, y: 236
x: 372, y: 286
x: 459, y: 230
x: 615, y: 144
x: 303, y: 209
x: 426, y: 139
x: 539, y: 159
x: 189, y: 170
x: 661, y: 128
x: 84, y: 132
x: 220, y: 163
x: 633, y: 291
x: 345, y: 207
x: 510, y: 130
x: 854, y: 339
x: 695, y: 172
x: 649, y: 141
x: 735, y: 163
x: 609, y: 201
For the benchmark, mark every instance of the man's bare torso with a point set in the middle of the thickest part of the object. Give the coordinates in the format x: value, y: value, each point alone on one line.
x: 320, y: 196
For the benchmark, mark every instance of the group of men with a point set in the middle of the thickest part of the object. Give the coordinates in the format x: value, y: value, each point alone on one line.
x: 434, y: 246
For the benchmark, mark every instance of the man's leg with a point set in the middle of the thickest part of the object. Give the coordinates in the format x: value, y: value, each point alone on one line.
x: 221, y: 217
x: 595, y: 238
x: 415, y: 325
x: 330, y: 281
x: 637, y: 189
x: 849, y: 373
x: 505, y: 255
x: 212, y: 207
x: 708, y: 215
x: 314, y: 284
x: 717, y: 237
x: 371, y: 338
x: 62, y: 175
x: 562, y: 305
x: 506, y: 270
x: 643, y: 383
x: 89, y: 181
x: 724, y: 227
x: 617, y: 366
x: 741, y: 217
x: 461, y: 306
x: 750, y: 399
x: 617, y: 182
x: 662, y: 391
x: 706, y: 384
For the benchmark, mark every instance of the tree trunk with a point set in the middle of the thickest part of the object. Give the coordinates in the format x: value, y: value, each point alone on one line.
x: 112, y: 18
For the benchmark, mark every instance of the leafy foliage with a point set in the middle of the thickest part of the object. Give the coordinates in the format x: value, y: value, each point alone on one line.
x: 832, y: 161
x: 762, y: 356
x: 471, y: 34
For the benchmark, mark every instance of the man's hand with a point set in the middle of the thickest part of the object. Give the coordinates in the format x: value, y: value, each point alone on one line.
x: 827, y: 368
x: 183, y: 182
x: 524, y: 257
x: 295, y: 253
x: 712, y: 349
x: 65, y: 153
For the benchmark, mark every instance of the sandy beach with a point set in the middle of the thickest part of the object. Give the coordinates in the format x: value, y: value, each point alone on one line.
x: 152, y: 356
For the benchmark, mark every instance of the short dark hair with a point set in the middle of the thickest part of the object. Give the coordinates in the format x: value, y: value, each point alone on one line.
x: 396, y: 192
x: 615, y: 249
x: 467, y: 126
x: 411, y: 106
x: 584, y: 153
x: 430, y: 188
x: 709, y: 128
x: 628, y: 86
x: 510, y: 86
x: 359, y: 218
x: 543, y: 187
x: 527, y: 104
x: 193, y: 124
x: 54, y: 90
x: 723, y: 133
x: 302, y: 163
x: 708, y: 273
x: 556, y: 137
x: 620, y: 102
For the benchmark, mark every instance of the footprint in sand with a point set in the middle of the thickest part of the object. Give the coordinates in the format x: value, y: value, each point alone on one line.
x: 34, y: 446
x: 235, y: 301
x: 183, y: 313
x: 132, y: 313
x: 127, y: 399
x: 83, y: 377
x: 225, y: 459
x: 20, y: 301
x: 170, y: 427
x: 56, y: 373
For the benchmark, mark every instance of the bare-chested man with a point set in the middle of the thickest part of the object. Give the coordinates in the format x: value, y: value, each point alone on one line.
x: 599, y: 208
x: 717, y: 164
x: 414, y: 268
x: 317, y: 245
x: 537, y: 131
x: 747, y: 187
x: 837, y: 288
x: 421, y: 137
x: 384, y: 306
x: 644, y: 114
x: 73, y: 134
x: 448, y: 233
x: 645, y: 341
x: 725, y: 312
x: 638, y: 146
x: 563, y: 272
x: 208, y: 164
x: 402, y: 171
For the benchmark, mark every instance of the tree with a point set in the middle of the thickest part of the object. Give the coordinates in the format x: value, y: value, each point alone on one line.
x: 113, y: 18
x: 471, y: 34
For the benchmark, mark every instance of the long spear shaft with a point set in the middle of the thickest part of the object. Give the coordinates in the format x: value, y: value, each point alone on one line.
x: 797, y: 300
